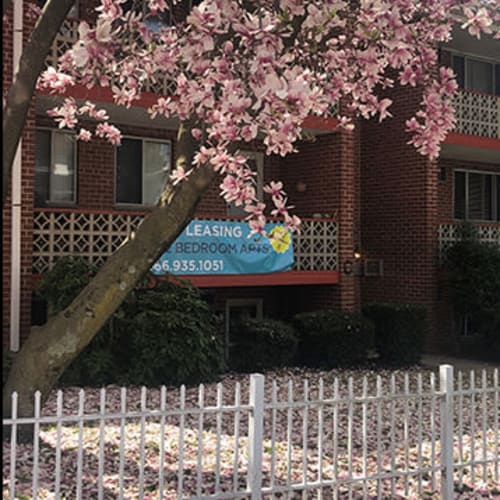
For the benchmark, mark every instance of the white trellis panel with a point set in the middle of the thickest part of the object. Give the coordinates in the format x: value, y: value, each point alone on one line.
x: 449, y: 234
x: 96, y: 235
x: 477, y: 114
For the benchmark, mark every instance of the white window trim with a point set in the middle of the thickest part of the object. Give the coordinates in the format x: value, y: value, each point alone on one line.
x: 258, y: 302
x: 73, y: 202
x: 259, y: 160
x: 124, y: 205
x: 494, y: 195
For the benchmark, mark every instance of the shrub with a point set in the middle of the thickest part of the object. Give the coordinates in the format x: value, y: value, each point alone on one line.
x: 332, y: 338
x: 174, y: 336
x: 399, y: 332
x: 474, y: 280
x: 163, y: 335
x: 263, y: 344
x: 64, y: 281
x: 98, y: 363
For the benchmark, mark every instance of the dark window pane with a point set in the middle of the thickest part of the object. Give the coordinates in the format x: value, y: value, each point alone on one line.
x: 459, y: 209
x: 497, y: 79
x: 475, y: 196
x: 488, y: 198
x: 479, y: 76
x: 480, y: 197
x: 42, y: 167
x: 459, y: 69
x: 129, y: 172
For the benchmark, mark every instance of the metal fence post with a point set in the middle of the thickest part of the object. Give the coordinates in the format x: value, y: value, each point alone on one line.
x: 447, y: 465
x: 255, y: 436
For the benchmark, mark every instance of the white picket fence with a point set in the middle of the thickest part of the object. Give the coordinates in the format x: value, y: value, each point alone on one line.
x: 401, y: 435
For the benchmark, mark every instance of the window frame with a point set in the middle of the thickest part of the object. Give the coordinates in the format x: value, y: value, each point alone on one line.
x: 129, y: 205
x: 51, y: 203
x: 258, y: 302
x: 258, y: 156
x: 467, y: 57
x: 494, y: 195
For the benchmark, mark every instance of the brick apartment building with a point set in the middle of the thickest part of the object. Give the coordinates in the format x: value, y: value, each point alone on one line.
x: 377, y: 215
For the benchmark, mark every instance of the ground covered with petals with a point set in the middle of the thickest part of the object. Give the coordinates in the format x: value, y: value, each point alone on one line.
x: 302, y: 427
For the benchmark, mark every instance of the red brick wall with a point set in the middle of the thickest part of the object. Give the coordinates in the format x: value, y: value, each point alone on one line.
x: 399, y: 210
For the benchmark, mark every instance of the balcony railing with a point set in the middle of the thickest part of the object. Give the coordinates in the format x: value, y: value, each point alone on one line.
x: 64, y: 40
x: 477, y: 114
x: 96, y: 235
x: 449, y: 234
x: 68, y: 36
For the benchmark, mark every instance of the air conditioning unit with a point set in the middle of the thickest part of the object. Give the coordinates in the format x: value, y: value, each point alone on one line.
x: 374, y: 267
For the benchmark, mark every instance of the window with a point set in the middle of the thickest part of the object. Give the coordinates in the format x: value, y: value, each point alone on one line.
x: 55, y: 162
x: 142, y: 168
x: 476, y: 196
x: 153, y: 21
x: 255, y: 163
x: 238, y: 310
x: 477, y: 74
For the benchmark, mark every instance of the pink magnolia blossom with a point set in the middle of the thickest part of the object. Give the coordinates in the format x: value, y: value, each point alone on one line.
x: 179, y: 175
x: 255, y: 70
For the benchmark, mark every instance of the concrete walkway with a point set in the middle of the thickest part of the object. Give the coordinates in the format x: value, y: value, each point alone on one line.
x: 432, y: 361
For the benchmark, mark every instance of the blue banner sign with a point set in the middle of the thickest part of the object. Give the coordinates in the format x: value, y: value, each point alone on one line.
x: 223, y: 247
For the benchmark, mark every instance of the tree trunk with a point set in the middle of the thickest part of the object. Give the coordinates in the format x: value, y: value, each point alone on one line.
x: 31, y: 65
x: 50, y: 348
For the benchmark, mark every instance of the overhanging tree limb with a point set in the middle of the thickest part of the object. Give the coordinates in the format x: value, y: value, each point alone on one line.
x: 30, y: 66
x: 50, y: 348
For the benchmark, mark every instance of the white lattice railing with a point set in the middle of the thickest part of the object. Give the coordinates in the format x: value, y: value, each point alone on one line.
x: 96, y: 235
x: 477, y: 114
x: 67, y: 37
x: 449, y: 234
x: 64, y: 40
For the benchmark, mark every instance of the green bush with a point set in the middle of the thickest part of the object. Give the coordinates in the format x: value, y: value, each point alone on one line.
x: 175, y: 337
x: 263, y: 344
x: 164, y: 335
x: 399, y: 332
x: 64, y: 281
x: 330, y: 338
x: 474, y: 280
x: 97, y: 363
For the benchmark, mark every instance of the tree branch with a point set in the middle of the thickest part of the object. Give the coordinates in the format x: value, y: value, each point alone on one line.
x: 49, y: 349
x: 30, y: 66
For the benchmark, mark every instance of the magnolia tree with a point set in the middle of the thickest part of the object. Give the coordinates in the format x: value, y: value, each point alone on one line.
x: 240, y: 71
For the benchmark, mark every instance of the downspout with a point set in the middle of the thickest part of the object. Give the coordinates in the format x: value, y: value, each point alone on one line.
x: 15, y: 265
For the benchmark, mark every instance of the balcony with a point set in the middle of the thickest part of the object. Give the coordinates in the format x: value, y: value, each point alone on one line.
x: 95, y: 235
x: 449, y: 234
x: 68, y: 36
x: 477, y: 114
